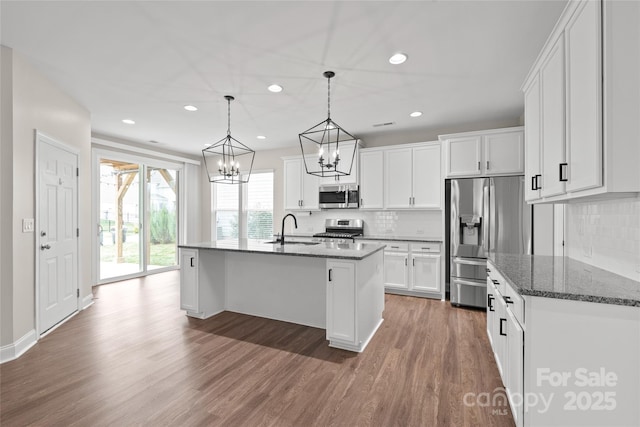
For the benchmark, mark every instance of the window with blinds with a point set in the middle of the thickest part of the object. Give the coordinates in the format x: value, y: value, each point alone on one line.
x: 226, y: 209
x: 260, y: 206
x: 245, y: 210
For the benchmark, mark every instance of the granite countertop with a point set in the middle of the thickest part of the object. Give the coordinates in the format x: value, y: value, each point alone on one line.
x: 400, y: 238
x: 353, y: 251
x: 565, y: 278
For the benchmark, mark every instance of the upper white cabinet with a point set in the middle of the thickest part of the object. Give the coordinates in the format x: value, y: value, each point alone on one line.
x: 300, y: 188
x: 412, y: 176
x: 484, y: 153
x: 583, y: 136
x: 371, y: 179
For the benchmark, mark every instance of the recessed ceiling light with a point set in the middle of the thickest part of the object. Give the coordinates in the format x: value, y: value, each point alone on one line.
x: 416, y: 114
x: 261, y: 137
x: 128, y: 121
x: 191, y: 108
x: 275, y: 88
x: 398, y: 58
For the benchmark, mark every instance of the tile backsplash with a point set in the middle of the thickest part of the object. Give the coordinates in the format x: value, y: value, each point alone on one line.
x: 606, y: 234
x: 396, y: 223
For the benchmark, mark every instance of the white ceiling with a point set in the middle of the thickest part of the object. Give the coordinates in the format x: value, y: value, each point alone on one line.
x: 146, y: 60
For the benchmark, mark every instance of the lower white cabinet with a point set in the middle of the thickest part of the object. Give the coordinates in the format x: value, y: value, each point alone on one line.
x: 507, y: 340
x: 396, y: 270
x: 189, y: 280
x: 355, y: 301
x: 413, y: 268
x: 580, y: 366
x: 341, y: 296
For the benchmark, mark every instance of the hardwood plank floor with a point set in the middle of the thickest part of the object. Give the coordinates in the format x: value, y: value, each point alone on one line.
x: 134, y: 358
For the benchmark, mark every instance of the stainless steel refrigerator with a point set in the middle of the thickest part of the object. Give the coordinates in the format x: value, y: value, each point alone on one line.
x: 483, y: 215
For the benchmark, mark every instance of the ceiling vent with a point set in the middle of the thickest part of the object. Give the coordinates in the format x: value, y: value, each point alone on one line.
x: 377, y: 125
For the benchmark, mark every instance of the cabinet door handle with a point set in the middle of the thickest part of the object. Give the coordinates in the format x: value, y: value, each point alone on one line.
x: 487, y: 164
x: 330, y: 275
x: 361, y: 202
x: 488, y: 270
x: 538, y: 186
x: 191, y: 261
x: 501, y: 332
x: 478, y: 165
x: 395, y: 247
x: 405, y: 262
x: 533, y: 183
x: 490, y: 299
x: 563, y: 172
x: 495, y: 282
x: 508, y: 300
x: 413, y: 260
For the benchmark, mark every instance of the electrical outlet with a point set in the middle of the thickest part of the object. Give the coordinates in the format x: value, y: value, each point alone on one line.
x: 27, y: 225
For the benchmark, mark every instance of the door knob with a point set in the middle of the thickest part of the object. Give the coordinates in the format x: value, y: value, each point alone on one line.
x: 43, y: 247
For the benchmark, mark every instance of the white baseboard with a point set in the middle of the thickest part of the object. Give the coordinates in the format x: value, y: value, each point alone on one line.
x: 87, y: 301
x: 13, y: 351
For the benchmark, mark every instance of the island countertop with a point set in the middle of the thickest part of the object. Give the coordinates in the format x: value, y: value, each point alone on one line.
x: 353, y: 251
x: 565, y: 278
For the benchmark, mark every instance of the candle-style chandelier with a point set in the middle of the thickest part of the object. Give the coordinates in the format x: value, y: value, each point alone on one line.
x: 222, y: 159
x: 322, y: 144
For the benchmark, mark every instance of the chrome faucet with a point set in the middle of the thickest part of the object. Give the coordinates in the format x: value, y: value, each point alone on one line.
x: 295, y: 223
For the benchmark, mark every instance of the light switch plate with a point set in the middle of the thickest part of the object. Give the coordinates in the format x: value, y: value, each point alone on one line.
x: 27, y: 225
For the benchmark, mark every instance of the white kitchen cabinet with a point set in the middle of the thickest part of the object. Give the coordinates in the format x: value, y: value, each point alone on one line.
x: 484, y: 153
x: 426, y: 272
x: 464, y: 156
x: 396, y: 272
x: 532, y: 139
x: 189, y: 285
x: 300, y: 188
x: 514, y: 357
x: 503, y: 153
x: 355, y: 301
x: 341, y: 297
x: 413, y: 268
x: 348, y: 150
x: 506, y: 336
x: 553, y: 131
x: 586, y: 122
x: 426, y: 177
x: 398, y: 178
x: 584, y: 102
x: 371, y: 179
x: 412, y: 177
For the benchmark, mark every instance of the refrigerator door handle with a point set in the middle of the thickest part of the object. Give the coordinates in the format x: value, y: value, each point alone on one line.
x: 458, y: 260
x: 486, y: 193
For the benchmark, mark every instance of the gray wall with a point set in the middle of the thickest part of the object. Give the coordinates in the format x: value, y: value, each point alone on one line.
x: 35, y: 103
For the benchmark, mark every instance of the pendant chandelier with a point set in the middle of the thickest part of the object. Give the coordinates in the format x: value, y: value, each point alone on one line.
x: 320, y: 144
x: 222, y: 159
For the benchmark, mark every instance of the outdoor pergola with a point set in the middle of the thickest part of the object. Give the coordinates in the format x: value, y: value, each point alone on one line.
x: 125, y: 174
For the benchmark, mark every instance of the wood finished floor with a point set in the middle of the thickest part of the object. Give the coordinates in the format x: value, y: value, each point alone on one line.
x: 134, y: 358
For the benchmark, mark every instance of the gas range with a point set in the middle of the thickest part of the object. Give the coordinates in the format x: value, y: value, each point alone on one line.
x: 341, y: 230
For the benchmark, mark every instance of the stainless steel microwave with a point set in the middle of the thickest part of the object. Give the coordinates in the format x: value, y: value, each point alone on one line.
x: 339, y: 196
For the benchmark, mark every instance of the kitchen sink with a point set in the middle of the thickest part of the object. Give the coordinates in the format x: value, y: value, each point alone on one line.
x: 287, y: 242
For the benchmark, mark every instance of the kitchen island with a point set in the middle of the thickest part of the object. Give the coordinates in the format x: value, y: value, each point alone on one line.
x: 337, y: 287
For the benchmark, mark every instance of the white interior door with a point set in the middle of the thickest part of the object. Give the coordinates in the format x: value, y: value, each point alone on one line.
x: 57, y: 238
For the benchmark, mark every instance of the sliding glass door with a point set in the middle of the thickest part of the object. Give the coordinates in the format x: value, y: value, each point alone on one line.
x: 137, y: 217
x: 162, y: 233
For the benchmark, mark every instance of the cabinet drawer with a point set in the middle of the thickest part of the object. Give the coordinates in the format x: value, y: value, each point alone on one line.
x: 515, y: 302
x: 426, y: 247
x: 497, y: 280
x: 396, y: 247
